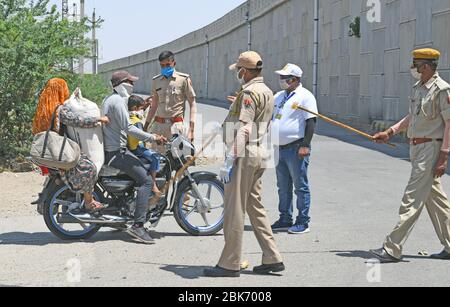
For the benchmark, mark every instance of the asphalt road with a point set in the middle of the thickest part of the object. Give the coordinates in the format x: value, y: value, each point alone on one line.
x: 357, y: 187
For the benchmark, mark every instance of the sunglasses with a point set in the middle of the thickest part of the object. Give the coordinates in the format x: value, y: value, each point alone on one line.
x: 287, y: 78
x: 418, y: 64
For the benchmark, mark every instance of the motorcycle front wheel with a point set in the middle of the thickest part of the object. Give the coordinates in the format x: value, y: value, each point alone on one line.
x: 197, y: 217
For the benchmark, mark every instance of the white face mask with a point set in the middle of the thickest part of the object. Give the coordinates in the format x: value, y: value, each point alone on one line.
x: 416, y: 74
x: 241, y: 80
x: 139, y: 113
x: 124, y: 90
x: 284, y: 84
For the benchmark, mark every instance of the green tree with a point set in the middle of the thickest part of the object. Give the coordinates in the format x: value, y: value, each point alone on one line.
x: 35, y: 45
x: 93, y: 87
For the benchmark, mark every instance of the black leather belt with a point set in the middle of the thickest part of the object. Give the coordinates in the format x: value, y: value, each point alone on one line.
x: 291, y: 144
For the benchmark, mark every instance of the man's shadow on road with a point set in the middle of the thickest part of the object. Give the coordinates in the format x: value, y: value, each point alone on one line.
x: 185, y: 271
x: 369, y: 256
x: 196, y: 272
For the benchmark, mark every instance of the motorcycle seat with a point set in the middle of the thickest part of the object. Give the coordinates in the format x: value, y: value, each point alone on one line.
x: 109, y: 171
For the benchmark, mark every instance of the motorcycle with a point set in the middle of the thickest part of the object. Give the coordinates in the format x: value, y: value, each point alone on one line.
x: 196, y: 199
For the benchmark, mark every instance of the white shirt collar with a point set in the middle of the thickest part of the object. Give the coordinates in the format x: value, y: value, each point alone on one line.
x: 294, y: 91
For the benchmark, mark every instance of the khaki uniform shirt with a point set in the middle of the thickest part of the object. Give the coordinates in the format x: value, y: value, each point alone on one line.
x: 254, y: 104
x: 172, y: 94
x: 429, y: 109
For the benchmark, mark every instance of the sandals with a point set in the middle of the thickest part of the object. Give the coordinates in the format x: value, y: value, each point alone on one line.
x: 82, y: 208
x: 94, y: 207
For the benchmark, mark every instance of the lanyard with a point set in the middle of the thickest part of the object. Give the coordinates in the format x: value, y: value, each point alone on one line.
x: 285, y: 100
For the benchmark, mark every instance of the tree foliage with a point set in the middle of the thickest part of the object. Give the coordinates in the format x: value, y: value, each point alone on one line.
x: 36, y: 44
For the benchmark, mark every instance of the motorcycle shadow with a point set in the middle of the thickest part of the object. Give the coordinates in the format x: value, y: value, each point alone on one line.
x: 46, y: 238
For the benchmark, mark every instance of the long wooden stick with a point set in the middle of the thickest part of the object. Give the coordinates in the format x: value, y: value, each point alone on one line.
x: 195, y: 157
x: 336, y: 123
x: 191, y: 161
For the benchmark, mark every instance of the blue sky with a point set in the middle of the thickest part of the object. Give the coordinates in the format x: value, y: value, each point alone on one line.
x: 133, y: 26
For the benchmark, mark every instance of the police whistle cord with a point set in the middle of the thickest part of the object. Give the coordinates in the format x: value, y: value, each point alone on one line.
x: 341, y: 125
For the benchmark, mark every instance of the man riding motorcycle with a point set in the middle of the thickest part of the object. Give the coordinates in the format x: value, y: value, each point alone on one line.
x: 115, y: 107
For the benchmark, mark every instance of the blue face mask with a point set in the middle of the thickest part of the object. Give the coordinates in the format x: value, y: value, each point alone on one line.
x: 167, y: 71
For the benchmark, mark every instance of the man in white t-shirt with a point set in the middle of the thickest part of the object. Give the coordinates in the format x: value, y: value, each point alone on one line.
x: 292, y: 133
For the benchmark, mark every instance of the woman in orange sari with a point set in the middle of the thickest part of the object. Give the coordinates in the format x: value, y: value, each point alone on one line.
x: 83, y: 176
x: 55, y: 93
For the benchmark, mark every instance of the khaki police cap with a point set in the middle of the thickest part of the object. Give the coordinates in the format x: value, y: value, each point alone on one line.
x: 249, y: 60
x: 426, y: 54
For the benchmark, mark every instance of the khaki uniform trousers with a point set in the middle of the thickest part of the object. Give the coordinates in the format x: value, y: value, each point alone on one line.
x: 423, y: 190
x: 243, y: 194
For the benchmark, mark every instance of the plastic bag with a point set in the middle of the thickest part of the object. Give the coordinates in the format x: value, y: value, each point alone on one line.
x: 89, y: 139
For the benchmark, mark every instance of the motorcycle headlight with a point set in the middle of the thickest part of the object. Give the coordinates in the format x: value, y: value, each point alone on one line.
x: 182, y: 148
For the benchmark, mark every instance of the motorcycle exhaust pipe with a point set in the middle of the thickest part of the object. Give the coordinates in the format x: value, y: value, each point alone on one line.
x: 66, y: 219
x: 89, y: 219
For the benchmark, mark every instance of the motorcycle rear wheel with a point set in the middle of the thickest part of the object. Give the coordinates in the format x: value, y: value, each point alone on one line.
x: 50, y: 207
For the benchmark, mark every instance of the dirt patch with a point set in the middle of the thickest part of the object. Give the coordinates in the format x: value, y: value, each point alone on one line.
x: 17, y: 165
x: 17, y: 191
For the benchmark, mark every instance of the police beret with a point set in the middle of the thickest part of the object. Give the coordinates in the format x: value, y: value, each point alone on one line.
x: 426, y: 54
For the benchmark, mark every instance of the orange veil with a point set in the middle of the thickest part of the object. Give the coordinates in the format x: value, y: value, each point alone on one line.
x: 55, y: 93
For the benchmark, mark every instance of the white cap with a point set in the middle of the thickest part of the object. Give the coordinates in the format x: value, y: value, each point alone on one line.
x: 290, y: 70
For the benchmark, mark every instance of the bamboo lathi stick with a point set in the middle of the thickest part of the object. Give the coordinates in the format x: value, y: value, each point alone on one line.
x: 198, y: 154
x: 341, y: 125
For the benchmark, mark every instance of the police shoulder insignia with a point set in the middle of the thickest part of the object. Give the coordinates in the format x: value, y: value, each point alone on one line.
x: 184, y: 75
x: 248, y: 102
x: 251, y: 98
x: 441, y: 84
x: 189, y: 82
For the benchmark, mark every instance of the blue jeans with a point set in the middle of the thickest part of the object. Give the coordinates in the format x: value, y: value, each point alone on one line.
x: 128, y: 163
x: 149, y: 155
x: 292, y: 173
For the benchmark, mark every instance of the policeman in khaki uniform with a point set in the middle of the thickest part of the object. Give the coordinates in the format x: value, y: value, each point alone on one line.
x: 170, y: 90
x: 246, y: 124
x: 428, y: 126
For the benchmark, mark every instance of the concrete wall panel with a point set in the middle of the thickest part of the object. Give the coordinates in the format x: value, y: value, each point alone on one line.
x: 361, y: 80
